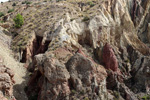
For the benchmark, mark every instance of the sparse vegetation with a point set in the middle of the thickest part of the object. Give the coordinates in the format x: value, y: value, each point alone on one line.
x: 18, y: 21
x: 20, y: 42
x: 1, y: 14
x: 26, y: 2
x: 127, y: 61
x: 10, y: 10
x: 91, y: 4
x: 146, y: 97
x: 58, y: 0
x: 86, y: 18
x: 1, y: 21
x: 117, y: 95
x: 86, y: 98
x: 73, y: 91
x: 82, y: 92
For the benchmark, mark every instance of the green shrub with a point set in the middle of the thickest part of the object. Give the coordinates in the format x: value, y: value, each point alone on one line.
x: 82, y: 92
x: 86, y: 98
x: 1, y: 21
x: 58, y: 0
x: 86, y: 18
x: 1, y: 14
x: 146, y: 97
x: 91, y: 4
x: 10, y: 10
x: 14, y: 4
x: 26, y: 2
x: 18, y: 21
x: 73, y: 91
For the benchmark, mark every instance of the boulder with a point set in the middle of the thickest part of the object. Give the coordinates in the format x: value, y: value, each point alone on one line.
x: 87, y: 76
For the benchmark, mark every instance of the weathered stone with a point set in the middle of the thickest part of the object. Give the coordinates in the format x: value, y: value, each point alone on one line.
x: 84, y: 73
x: 109, y: 59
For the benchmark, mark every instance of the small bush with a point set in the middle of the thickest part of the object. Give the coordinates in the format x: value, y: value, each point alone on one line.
x: 86, y: 98
x: 86, y: 18
x: 58, y: 0
x: 1, y: 21
x: 18, y: 21
x: 91, y: 4
x: 14, y: 4
x: 146, y: 97
x: 1, y: 14
x: 10, y: 10
x: 73, y: 91
x: 82, y: 92
x: 26, y: 2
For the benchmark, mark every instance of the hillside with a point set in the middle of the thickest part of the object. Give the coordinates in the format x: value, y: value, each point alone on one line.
x: 77, y: 49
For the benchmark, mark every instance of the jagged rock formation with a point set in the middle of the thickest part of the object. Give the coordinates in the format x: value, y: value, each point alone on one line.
x: 6, y: 82
x: 73, y: 48
x: 79, y: 78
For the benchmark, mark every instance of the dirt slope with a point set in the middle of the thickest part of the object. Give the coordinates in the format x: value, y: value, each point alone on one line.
x: 20, y: 72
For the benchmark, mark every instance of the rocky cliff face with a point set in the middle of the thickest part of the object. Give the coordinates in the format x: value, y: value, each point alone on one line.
x: 97, y: 51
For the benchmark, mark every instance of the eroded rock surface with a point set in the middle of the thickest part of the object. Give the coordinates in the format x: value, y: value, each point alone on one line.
x: 6, y: 83
x: 79, y: 50
x: 78, y: 78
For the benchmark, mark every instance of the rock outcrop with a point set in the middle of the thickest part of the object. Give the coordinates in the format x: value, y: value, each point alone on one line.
x: 78, y: 50
x: 112, y: 33
x: 79, y: 78
x: 6, y: 83
x: 109, y: 59
x: 88, y: 77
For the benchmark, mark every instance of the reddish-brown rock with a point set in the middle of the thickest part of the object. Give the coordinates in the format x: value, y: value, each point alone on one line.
x: 109, y: 59
x: 60, y: 73
x: 53, y: 73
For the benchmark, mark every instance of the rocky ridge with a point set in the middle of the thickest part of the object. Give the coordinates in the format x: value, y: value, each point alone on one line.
x: 98, y: 52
